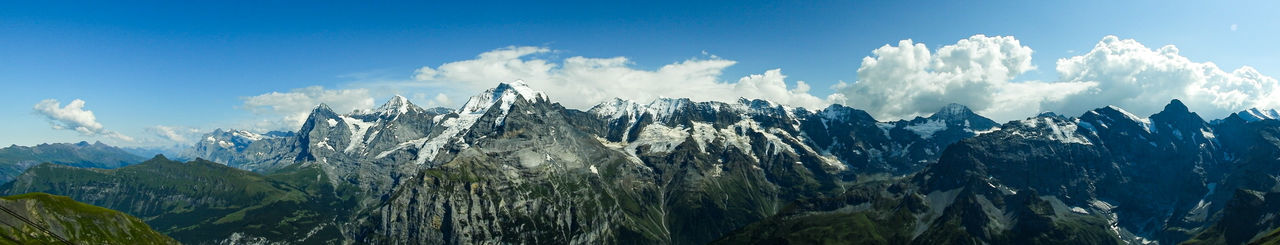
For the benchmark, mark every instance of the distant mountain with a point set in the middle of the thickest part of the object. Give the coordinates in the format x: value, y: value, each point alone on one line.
x: 236, y: 148
x: 200, y: 201
x: 14, y: 159
x: 170, y: 150
x: 38, y: 218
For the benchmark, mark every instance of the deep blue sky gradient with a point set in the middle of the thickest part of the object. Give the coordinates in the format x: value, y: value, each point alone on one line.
x: 139, y: 64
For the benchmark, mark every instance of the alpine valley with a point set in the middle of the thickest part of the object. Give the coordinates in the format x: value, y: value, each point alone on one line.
x: 513, y: 166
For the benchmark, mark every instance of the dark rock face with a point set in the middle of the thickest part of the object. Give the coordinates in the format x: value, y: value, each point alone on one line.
x: 511, y: 165
x: 1106, y: 174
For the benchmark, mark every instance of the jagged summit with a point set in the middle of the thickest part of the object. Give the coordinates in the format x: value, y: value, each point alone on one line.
x: 504, y: 92
x: 397, y: 105
x: 837, y: 112
x: 322, y: 106
x: 1116, y: 110
x: 953, y: 110
x: 1255, y: 114
x: 1176, y: 112
x: 616, y: 108
x: 1111, y: 115
x: 1176, y: 105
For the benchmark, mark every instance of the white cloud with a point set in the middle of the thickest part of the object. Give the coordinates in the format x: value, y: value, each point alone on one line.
x: 1142, y: 80
x: 175, y: 134
x: 894, y: 82
x: 74, y: 117
x: 908, y: 80
x: 581, y: 82
x: 289, y: 110
x: 1234, y: 27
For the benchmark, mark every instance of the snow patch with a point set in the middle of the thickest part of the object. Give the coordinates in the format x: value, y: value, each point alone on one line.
x: 357, y: 128
x: 659, y: 138
x: 927, y: 129
x: 1145, y: 122
x: 1079, y: 210
x: 452, y: 128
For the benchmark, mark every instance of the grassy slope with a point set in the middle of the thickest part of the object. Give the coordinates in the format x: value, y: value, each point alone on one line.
x: 75, y: 221
x: 198, y: 201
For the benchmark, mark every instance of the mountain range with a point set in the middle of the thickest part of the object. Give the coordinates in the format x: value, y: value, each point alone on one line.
x: 15, y: 159
x: 513, y: 166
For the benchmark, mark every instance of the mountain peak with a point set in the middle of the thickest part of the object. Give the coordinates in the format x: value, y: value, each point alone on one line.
x: 521, y: 88
x: 1255, y: 114
x: 395, y: 106
x: 616, y: 108
x: 1113, y: 113
x: 322, y: 106
x: 504, y: 92
x: 952, y: 110
x: 1176, y: 105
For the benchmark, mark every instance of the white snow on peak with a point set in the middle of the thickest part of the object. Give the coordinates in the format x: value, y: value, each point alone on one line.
x: 952, y: 110
x: 659, y: 138
x: 1053, y: 129
x: 395, y: 106
x: 502, y: 96
x: 528, y: 93
x: 663, y: 107
x: 1145, y: 122
x: 506, y: 93
x: 1255, y: 114
x: 618, y: 108
x: 927, y: 129
x: 429, y: 147
x: 247, y: 135
x: 358, y: 128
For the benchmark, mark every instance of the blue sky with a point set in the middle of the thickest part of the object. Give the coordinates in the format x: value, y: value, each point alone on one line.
x: 186, y: 65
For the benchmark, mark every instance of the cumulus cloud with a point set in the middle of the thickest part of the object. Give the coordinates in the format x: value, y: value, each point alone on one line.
x: 1128, y: 74
x: 908, y: 80
x: 289, y: 110
x: 582, y: 82
x: 74, y: 117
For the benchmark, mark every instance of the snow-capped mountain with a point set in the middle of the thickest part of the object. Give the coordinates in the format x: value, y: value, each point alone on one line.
x: 674, y: 147
x: 1255, y: 114
x: 1105, y: 177
x: 233, y: 147
x: 511, y: 165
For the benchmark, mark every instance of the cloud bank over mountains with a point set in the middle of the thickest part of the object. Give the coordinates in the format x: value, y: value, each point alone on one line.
x: 581, y: 82
x: 907, y: 80
x: 894, y: 82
